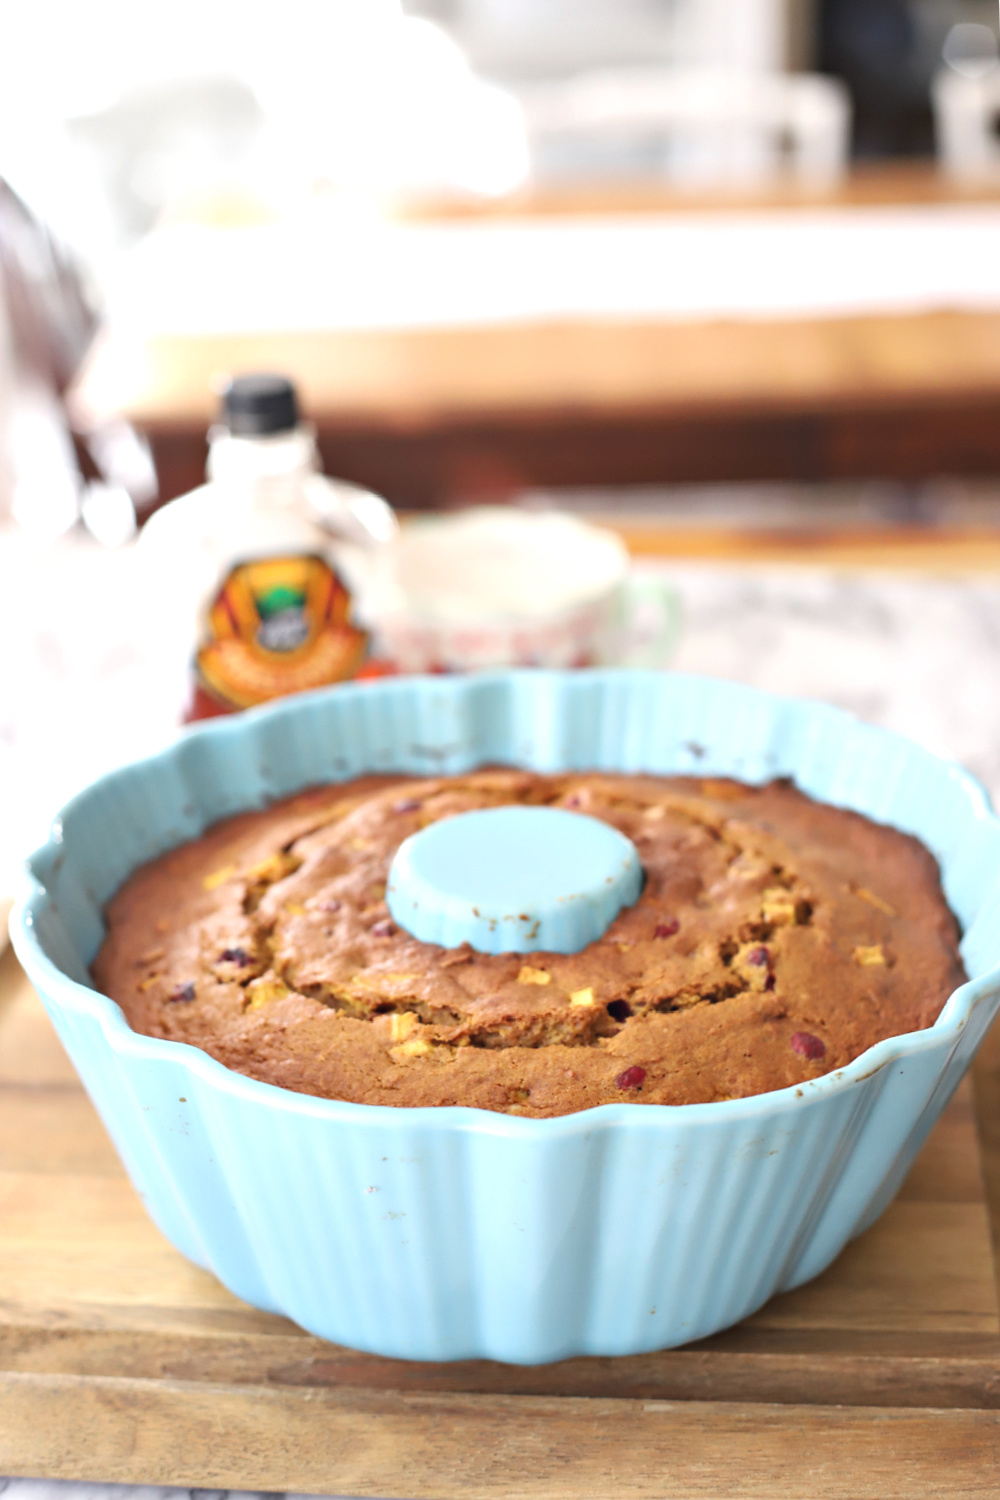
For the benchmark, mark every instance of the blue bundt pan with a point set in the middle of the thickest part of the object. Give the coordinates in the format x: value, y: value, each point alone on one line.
x: 455, y: 1233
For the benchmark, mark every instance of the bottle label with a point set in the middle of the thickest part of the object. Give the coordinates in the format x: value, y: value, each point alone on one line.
x: 278, y: 625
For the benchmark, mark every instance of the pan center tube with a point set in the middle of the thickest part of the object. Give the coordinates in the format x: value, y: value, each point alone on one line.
x: 513, y: 880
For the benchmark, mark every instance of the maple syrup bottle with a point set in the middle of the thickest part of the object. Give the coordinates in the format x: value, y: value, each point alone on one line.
x: 263, y: 569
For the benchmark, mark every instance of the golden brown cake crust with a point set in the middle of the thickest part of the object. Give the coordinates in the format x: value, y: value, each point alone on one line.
x: 775, y: 940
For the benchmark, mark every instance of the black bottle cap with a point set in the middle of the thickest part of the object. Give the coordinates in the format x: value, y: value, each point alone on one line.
x: 256, y: 405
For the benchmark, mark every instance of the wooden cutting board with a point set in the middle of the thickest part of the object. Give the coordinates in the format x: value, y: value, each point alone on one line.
x: 120, y: 1361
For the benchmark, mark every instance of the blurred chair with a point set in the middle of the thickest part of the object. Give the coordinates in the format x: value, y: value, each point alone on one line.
x: 698, y: 126
x: 47, y: 322
x: 49, y: 313
x: 966, y: 121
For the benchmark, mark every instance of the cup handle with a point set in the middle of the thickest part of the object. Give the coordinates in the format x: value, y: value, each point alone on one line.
x: 651, y: 621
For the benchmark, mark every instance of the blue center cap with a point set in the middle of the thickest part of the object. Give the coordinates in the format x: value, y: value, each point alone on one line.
x: 513, y: 880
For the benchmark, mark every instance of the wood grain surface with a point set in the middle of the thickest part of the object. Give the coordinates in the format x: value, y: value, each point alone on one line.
x: 431, y: 415
x: 121, y: 1361
x: 420, y: 378
x: 428, y: 416
x: 391, y: 1443
x: 951, y: 551
x: 868, y: 184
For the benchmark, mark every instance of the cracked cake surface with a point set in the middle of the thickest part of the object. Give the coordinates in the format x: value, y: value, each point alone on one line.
x: 776, y: 938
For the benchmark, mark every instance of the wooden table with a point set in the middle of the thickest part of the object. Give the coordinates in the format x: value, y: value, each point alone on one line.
x: 430, y: 415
